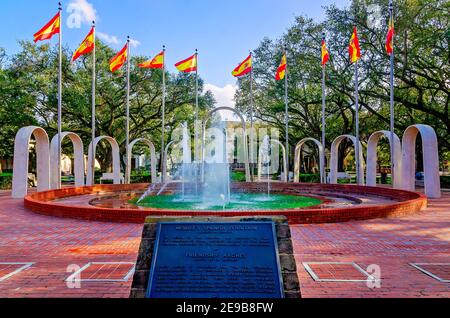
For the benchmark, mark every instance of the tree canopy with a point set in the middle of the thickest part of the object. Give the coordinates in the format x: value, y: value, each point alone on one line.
x: 28, y: 86
x: 422, y: 71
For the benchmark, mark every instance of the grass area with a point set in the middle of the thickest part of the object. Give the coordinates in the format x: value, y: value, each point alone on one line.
x: 239, y: 201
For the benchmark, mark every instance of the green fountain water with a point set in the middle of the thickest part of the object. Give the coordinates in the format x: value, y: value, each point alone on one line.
x: 238, y: 202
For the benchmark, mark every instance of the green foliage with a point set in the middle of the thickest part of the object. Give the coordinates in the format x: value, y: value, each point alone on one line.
x: 445, y: 182
x: 310, y: 178
x: 5, y: 181
x: 238, y: 176
x: 28, y: 90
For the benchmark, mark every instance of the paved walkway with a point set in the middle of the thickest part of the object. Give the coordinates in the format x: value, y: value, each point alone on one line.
x: 54, y: 244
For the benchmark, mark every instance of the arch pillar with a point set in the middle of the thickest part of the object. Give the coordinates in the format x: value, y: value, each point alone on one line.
x: 78, y: 159
x: 115, y: 156
x: 372, y: 158
x: 21, y: 160
x: 152, y: 155
x: 334, y: 158
x: 430, y: 159
x: 298, y: 150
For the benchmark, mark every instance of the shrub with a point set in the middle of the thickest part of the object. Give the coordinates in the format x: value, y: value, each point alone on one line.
x: 445, y: 182
x: 310, y: 178
x: 5, y: 181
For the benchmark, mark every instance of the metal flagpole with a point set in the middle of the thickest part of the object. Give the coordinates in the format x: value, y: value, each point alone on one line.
x: 127, y: 129
x: 251, y: 119
x: 392, y: 114
x: 93, y: 107
x: 59, y: 96
x: 163, y: 109
x: 324, y: 178
x: 196, y: 154
x: 357, y: 150
x: 286, y: 115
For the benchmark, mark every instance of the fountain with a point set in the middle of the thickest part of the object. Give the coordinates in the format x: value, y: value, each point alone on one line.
x: 209, y: 188
x: 203, y: 187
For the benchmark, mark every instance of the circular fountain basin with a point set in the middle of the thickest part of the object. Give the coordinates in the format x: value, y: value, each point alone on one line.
x: 301, y: 203
x: 238, y: 202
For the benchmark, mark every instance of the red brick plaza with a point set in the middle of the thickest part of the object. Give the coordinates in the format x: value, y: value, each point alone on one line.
x: 38, y: 253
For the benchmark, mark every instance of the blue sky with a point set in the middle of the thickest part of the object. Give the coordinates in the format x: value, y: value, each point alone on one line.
x: 222, y: 30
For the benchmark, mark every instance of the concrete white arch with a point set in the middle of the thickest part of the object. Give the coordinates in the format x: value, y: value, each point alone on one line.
x: 430, y: 159
x: 248, y: 176
x: 371, y: 176
x: 334, y: 158
x: 298, y: 150
x: 152, y: 155
x: 21, y: 159
x: 285, y: 169
x: 78, y: 159
x: 115, y: 156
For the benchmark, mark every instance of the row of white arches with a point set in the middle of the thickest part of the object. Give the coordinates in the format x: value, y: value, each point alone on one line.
x: 404, y: 165
x: 47, y: 152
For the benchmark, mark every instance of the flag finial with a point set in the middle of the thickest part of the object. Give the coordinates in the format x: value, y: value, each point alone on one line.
x: 59, y: 6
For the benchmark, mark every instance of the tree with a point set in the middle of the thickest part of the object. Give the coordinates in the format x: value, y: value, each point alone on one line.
x: 34, y: 72
x: 422, y: 72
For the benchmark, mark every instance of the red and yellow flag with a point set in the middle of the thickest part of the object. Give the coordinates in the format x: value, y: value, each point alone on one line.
x: 188, y: 65
x: 353, y: 49
x: 325, y: 53
x: 281, y: 71
x: 50, y: 29
x: 390, y: 37
x: 157, y: 62
x: 118, y: 60
x: 86, y: 46
x: 244, y: 68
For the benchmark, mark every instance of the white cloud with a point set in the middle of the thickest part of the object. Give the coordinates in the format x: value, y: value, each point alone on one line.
x: 134, y: 43
x: 224, y: 96
x: 109, y: 39
x: 84, y: 10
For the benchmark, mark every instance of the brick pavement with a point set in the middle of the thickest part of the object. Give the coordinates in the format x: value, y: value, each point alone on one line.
x: 53, y: 244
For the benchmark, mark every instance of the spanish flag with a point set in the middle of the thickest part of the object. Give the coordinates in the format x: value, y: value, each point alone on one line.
x: 188, y: 65
x: 281, y: 71
x: 390, y: 37
x: 353, y: 49
x: 244, y: 68
x: 118, y: 60
x: 325, y: 54
x: 50, y: 29
x: 157, y: 62
x: 86, y: 46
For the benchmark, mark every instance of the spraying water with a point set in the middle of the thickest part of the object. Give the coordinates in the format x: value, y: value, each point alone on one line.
x: 265, y: 160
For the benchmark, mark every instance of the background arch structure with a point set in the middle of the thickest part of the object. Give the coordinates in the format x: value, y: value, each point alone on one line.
x: 78, y: 154
x: 248, y: 176
x: 334, y: 158
x: 430, y: 160
x: 21, y: 160
x: 115, y: 156
x: 372, y: 144
x: 298, y: 150
x: 152, y: 155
